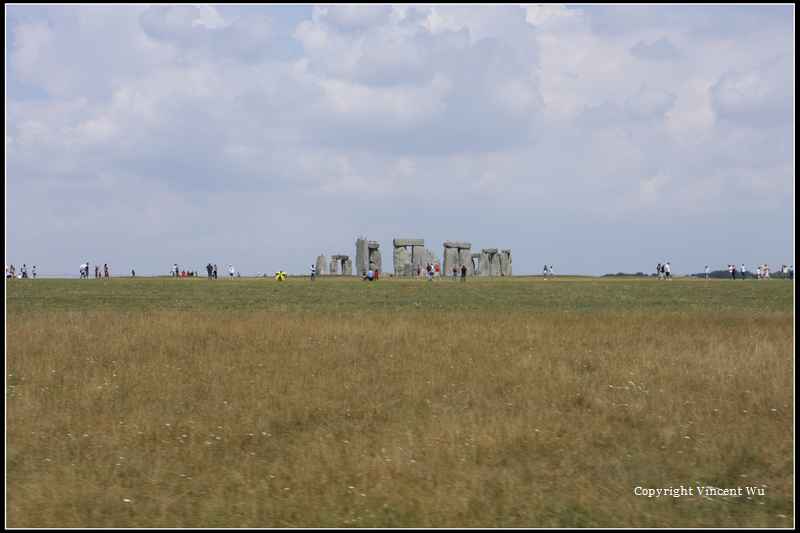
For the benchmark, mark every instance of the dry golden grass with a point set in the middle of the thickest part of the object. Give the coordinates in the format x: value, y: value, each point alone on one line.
x: 452, y: 418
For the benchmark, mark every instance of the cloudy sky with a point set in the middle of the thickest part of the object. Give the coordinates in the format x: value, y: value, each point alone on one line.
x: 597, y: 139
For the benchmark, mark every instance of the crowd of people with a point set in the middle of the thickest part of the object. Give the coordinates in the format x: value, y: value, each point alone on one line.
x: 11, y: 272
x: 98, y: 273
x: 762, y: 272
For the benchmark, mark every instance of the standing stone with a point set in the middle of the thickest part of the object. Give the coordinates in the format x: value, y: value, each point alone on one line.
x: 334, y: 267
x: 418, y: 257
x: 400, y: 259
x: 505, y: 262
x: 362, y: 255
x: 494, y: 270
x: 484, y: 264
x: 374, y: 256
x: 450, y: 259
x: 430, y: 257
x: 321, y: 266
x: 347, y: 267
x: 465, y: 259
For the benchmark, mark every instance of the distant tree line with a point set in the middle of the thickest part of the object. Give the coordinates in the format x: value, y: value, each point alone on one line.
x: 724, y: 274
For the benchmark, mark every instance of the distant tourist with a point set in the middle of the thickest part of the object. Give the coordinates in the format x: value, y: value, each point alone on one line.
x: 313, y: 271
x: 463, y: 272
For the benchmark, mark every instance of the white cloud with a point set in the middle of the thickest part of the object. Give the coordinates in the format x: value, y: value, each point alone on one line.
x: 649, y: 103
x: 761, y: 96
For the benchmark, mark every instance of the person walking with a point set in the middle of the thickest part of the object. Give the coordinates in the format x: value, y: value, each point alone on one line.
x: 544, y: 272
x: 230, y: 272
x: 215, y: 271
x: 313, y: 271
x: 209, y: 269
x: 744, y: 272
x: 707, y: 273
x: 33, y: 271
x: 455, y: 272
x: 463, y: 272
x: 105, y: 269
x: 419, y: 271
x: 666, y: 272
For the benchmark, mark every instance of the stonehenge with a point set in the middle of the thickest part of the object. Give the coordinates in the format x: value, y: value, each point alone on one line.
x: 368, y: 256
x: 405, y: 264
x: 347, y: 265
x: 490, y: 262
x: 455, y: 255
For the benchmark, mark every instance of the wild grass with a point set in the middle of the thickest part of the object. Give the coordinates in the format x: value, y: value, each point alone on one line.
x: 509, y: 402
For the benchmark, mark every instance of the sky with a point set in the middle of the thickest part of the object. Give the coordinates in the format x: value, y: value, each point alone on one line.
x: 597, y: 139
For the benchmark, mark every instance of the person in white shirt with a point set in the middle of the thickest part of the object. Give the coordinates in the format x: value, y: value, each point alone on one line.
x: 230, y: 272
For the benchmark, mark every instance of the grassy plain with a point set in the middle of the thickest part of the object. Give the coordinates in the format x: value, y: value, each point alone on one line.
x: 499, y: 402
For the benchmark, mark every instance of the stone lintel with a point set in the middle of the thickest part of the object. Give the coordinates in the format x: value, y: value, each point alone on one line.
x: 408, y: 242
x: 457, y: 244
x: 489, y: 250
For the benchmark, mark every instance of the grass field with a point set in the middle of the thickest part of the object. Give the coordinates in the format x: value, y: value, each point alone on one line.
x: 499, y: 402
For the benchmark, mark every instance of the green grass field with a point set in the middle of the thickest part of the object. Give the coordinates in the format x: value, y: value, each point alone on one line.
x: 499, y: 402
